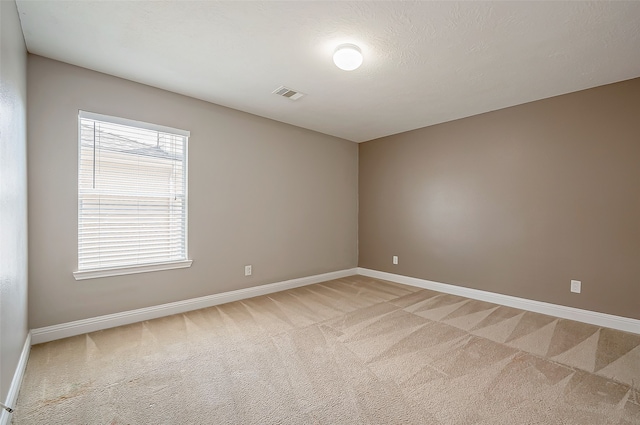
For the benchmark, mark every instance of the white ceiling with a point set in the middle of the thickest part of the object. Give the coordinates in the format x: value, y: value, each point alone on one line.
x: 425, y: 62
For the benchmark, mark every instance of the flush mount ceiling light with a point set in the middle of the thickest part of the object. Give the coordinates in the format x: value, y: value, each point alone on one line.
x: 347, y: 57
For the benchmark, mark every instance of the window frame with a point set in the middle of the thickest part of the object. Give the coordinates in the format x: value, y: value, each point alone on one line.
x: 138, y: 268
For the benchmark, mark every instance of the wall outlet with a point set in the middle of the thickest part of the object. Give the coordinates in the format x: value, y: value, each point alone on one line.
x: 576, y: 286
x: 247, y: 270
x: 395, y: 259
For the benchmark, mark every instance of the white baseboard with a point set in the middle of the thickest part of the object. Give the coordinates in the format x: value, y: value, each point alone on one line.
x: 14, y: 389
x: 65, y: 330
x: 586, y: 316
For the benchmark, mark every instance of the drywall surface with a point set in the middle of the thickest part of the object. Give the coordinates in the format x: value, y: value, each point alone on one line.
x: 278, y: 197
x: 13, y: 194
x: 420, y: 57
x: 518, y: 201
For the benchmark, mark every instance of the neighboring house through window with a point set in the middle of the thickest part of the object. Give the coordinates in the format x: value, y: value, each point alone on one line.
x: 132, y: 197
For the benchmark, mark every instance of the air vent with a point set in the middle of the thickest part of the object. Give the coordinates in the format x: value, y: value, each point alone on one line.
x: 288, y: 93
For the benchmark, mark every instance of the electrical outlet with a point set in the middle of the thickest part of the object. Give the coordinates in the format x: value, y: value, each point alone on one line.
x: 247, y: 270
x: 395, y: 259
x: 576, y: 286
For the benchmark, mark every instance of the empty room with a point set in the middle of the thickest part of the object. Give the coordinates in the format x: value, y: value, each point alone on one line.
x: 319, y: 212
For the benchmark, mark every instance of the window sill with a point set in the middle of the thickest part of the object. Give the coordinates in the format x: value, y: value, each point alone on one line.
x: 119, y: 271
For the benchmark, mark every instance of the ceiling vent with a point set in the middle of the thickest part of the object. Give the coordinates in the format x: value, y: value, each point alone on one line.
x: 288, y: 93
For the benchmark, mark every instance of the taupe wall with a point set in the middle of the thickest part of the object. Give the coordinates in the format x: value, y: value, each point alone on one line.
x: 13, y: 194
x: 518, y: 201
x: 281, y: 198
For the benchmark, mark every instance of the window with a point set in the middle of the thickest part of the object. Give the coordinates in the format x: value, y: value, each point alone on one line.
x: 132, y: 197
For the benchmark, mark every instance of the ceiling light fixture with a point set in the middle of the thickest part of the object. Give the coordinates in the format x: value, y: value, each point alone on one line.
x: 347, y: 57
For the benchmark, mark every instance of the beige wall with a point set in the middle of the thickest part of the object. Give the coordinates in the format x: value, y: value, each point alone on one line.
x: 13, y: 194
x: 517, y: 201
x: 279, y: 197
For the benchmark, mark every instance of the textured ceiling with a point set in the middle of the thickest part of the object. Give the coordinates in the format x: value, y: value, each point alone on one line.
x: 425, y: 62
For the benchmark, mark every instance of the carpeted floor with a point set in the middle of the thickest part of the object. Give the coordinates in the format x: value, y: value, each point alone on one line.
x: 350, y: 351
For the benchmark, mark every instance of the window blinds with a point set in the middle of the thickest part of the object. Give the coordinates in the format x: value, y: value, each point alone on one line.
x: 132, y: 190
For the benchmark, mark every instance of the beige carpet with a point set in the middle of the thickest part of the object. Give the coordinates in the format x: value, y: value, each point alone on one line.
x: 350, y: 351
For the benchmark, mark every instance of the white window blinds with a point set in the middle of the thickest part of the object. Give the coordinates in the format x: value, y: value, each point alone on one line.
x: 132, y: 193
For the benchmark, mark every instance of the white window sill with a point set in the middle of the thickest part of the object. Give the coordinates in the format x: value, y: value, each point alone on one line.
x: 119, y: 271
